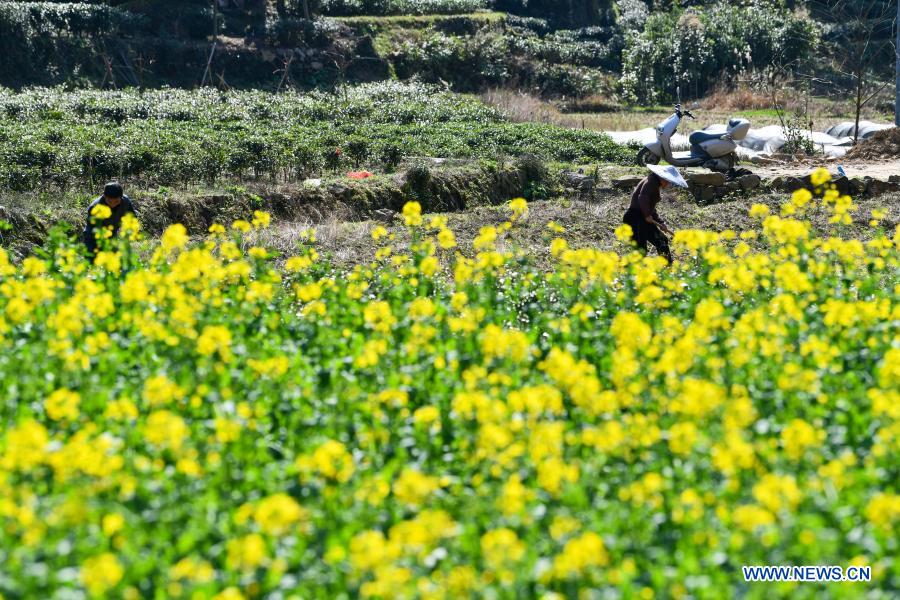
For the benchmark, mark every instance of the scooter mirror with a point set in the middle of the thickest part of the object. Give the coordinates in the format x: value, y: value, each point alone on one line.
x: 678, y: 94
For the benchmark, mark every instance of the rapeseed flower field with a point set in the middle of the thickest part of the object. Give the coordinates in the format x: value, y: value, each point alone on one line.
x: 204, y: 419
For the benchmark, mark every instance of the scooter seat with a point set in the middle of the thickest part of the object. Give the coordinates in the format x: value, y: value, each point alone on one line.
x: 698, y: 137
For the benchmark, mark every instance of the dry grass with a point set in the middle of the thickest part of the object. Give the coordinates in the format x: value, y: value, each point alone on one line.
x: 599, y: 114
x: 594, y: 112
x: 347, y: 242
x: 521, y: 106
x: 524, y: 107
x: 587, y: 223
x: 595, y: 103
x: 741, y: 98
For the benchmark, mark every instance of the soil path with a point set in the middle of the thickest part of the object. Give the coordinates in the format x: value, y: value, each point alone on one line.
x: 854, y: 168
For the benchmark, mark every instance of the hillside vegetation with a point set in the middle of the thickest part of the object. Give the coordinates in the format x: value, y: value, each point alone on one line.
x: 575, y: 48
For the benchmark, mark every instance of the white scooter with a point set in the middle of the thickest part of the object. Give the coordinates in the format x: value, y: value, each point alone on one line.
x: 714, y: 151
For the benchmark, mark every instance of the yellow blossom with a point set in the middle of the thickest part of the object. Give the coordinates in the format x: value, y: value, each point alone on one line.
x: 261, y: 219
x: 331, y: 460
x: 501, y: 547
x: 62, y: 405
x: 246, y: 553
x: 412, y: 214
x: 101, y: 573
x: 174, y: 237
x: 215, y: 339
x: 820, y: 177
x: 412, y: 487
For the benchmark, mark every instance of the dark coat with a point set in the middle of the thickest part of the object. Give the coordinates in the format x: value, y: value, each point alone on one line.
x: 645, y: 198
x: 115, y: 220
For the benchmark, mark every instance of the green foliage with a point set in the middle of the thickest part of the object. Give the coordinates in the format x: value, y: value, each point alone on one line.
x: 534, y: 24
x: 400, y: 7
x: 587, y: 47
x: 357, y: 149
x: 391, y: 154
x: 173, y: 136
x: 201, y: 420
x: 51, y: 18
x: 294, y: 32
x: 418, y: 177
x: 796, y: 140
x: 36, y: 37
x: 51, y: 42
x: 699, y: 47
x: 535, y: 174
x: 562, y: 13
x: 517, y: 57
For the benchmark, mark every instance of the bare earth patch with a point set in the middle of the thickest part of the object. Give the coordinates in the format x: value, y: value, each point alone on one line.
x: 876, y: 168
x: 586, y: 223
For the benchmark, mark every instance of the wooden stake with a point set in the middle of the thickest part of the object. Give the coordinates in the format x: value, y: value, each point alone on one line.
x: 208, y: 63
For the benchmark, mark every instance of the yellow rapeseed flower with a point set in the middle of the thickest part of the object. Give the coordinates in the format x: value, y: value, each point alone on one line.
x: 519, y: 208
x: 501, y: 547
x: 759, y: 211
x: 62, y: 405
x: 261, y: 219
x: 412, y: 487
x: 579, y: 555
x: 101, y: 573
x: 112, y: 524
x: 246, y: 553
x: 101, y: 212
x: 330, y: 460
x: 279, y: 513
x: 229, y: 593
x: 798, y: 436
x: 624, y: 233
x: 820, y: 177
x: 412, y: 214
x: 883, y: 510
x: 174, y: 237
x: 215, y: 339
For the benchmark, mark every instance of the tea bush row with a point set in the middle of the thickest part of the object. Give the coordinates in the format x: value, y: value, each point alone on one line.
x: 179, y: 136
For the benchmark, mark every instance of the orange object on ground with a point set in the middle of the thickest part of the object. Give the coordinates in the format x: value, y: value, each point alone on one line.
x: 359, y: 174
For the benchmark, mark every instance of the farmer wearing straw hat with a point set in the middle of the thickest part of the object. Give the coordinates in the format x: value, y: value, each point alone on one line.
x: 645, y: 222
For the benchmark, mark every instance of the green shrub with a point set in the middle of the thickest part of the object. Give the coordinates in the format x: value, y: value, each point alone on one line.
x: 400, y: 7
x: 518, y: 58
x: 390, y: 156
x: 295, y: 32
x: 40, y: 38
x: 562, y: 13
x: 539, y: 26
x: 50, y: 18
x: 696, y: 48
x: 177, y: 136
x: 357, y: 148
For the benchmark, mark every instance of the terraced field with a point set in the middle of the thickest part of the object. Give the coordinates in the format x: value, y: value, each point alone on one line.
x: 169, y: 136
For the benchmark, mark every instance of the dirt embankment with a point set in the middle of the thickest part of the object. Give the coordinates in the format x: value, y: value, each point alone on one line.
x: 877, y: 158
x: 587, y: 222
x: 883, y: 145
x: 340, y: 208
x: 876, y: 169
x: 438, y: 190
